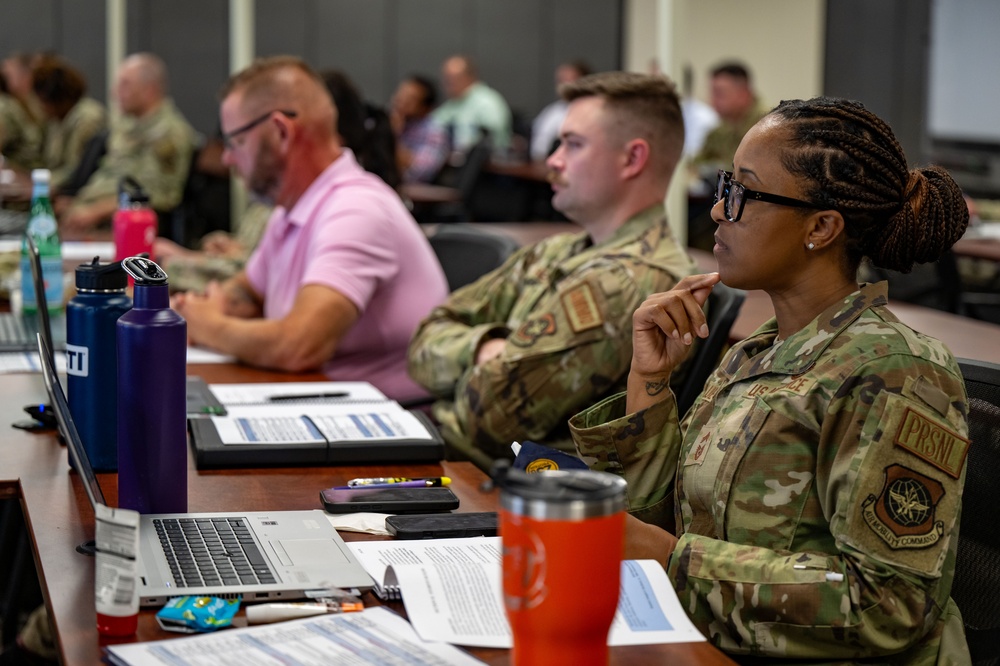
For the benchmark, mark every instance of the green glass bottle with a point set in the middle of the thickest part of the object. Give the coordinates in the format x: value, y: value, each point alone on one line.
x: 44, y: 232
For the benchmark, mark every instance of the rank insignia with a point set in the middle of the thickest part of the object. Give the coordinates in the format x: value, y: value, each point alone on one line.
x: 581, y: 308
x: 903, y: 512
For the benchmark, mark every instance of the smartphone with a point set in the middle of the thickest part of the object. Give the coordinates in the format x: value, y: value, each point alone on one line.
x: 442, y: 525
x: 388, y: 500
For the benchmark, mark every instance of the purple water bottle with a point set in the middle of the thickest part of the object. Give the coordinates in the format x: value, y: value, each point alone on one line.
x: 152, y: 411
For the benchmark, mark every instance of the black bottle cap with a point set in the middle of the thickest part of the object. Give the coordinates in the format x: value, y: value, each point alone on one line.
x: 96, y: 276
x: 130, y: 191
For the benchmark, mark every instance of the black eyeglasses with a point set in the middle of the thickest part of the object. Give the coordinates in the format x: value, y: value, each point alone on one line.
x: 735, y: 195
x: 227, y: 137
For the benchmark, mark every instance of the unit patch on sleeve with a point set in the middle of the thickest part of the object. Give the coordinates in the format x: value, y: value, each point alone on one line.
x: 903, y: 513
x: 581, y: 308
x: 531, y: 330
x: 933, y: 443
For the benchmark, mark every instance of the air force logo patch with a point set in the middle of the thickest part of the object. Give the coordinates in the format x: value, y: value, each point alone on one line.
x: 903, y: 512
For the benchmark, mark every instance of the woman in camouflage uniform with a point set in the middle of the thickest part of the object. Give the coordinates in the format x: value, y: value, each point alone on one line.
x: 815, y: 486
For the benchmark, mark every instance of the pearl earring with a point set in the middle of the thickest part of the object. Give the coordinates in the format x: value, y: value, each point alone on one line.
x: 811, y: 246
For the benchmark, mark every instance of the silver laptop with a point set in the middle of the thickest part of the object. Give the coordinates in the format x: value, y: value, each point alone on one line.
x: 260, y: 555
x: 17, y: 331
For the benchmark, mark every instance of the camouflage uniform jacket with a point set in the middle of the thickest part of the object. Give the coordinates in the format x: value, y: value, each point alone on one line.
x: 565, y: 308
x: 721, y: 143
x: 194, y: 272
x: 816, y: 487
x: 66, y: 139
x: 21, y: 137
x: 155, y: 150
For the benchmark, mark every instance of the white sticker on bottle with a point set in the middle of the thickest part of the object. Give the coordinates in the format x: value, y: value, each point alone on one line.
x: 77, y: 360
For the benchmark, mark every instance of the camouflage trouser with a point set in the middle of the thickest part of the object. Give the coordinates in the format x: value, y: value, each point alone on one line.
x: 37, y: 637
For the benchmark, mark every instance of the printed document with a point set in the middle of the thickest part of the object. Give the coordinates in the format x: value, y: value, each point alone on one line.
x: 452, y: 590
x: 372, y: 636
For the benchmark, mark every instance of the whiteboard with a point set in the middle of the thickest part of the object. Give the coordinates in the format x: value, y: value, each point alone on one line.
x: 964, y: 80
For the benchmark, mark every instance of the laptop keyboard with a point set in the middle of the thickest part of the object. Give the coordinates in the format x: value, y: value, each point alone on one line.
x: 14, y: 329
x: 212, y: 551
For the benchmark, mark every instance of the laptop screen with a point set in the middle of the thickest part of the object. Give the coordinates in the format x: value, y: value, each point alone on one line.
x: 67, y: 427
x: 38, y: 280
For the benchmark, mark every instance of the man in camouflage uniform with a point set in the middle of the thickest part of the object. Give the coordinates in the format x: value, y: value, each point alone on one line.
x: 21, y: 129
x: 222, y: 254
x: 816, y: 486
x: 20, y: 139
x: 151, y: 141
x: 739, y: 109
x: 514, y: 354
x: 72, y: 118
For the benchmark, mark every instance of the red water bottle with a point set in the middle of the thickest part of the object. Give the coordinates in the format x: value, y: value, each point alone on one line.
x: 134, y: 222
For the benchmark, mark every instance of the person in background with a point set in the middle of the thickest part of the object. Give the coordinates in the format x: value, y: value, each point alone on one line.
x: 548, y: 122
x: 223, y: 254
x: 343, y: 274
x: 364, y: 128
x: 421, y: 143
x: 150, y: 141
x: 472, y: 107
x: 699, y: 118
x: 807, y: 506
x: 73, y: 118
x: 733, y: 99
x: 22, y: 125
x: 516, y: 353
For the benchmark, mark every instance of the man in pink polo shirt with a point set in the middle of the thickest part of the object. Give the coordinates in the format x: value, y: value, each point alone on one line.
x: 343, y: 274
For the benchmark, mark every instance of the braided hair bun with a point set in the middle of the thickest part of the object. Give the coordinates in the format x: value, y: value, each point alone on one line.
x: 932, y: 217
x: 850, y: 161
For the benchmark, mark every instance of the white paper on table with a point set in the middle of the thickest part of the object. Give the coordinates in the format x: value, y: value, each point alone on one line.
x: 984, y: 230
x: 365, y: 522
x: 277, y: 422
x: 85, y: 251
x: 27, y: 361
x: 202, y: 355
x: 452, y: 590
x: 372, y: 636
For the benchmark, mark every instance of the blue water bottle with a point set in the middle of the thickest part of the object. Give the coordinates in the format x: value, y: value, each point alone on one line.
x: 91, y: 358
x: 152, y: 411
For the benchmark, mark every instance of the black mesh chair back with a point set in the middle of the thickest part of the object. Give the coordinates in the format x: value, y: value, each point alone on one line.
x: 723, y: 305
x: 976, y: 588
x: 95, y: 148
x: 467, y: 253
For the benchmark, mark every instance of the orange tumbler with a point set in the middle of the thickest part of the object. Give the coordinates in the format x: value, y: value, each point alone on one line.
x: 563, y: 539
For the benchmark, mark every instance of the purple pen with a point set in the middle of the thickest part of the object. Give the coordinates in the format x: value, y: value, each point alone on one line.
x: 420, y: 483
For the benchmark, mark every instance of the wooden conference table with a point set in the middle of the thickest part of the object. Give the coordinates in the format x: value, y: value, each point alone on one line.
x: 58, y: 516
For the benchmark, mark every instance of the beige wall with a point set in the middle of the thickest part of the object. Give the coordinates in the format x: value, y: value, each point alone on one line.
x: 780, y: 40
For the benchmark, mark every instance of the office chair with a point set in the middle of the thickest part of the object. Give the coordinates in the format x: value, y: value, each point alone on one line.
x: 464, y: 177
x: 976, y: 588
x: 723, y: 305
x: 95, y: 148
x: 466, y: 253
x: 204, y: 205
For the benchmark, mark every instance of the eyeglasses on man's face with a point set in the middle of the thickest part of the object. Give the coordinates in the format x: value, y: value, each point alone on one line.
x: 227, y: 137
x: 734, y: 195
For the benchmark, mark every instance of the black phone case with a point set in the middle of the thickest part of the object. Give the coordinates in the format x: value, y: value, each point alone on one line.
x: 442, y: 525
x: 388, y: 500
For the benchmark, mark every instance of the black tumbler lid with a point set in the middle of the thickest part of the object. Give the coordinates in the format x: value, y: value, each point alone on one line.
x: 143, y: 271
x: 96, y: 276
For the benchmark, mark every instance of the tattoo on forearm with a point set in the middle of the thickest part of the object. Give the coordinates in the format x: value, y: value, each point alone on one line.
x: 656, y: 388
